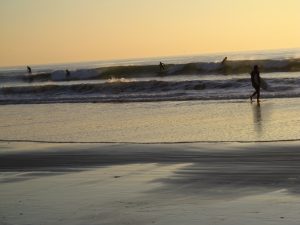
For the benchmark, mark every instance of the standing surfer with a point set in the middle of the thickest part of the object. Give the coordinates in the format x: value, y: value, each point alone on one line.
x: 224, y: 60
x: 68, y: 74
x: 29, y: 69
x: 161, y: 66
x: 256, y: 83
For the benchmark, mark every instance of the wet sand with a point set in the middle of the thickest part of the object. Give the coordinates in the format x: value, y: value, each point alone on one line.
x: 114, y: 184
x: 238, y: 120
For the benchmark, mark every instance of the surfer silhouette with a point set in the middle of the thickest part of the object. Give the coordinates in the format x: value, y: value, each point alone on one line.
x: 256, y: 83
x: 224, y: 60
x: 161, y: 66
x: 68, y: 73
x: 29, y: 69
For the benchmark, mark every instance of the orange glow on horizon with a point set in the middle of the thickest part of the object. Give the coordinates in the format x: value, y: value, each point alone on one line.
x: 41, y: 32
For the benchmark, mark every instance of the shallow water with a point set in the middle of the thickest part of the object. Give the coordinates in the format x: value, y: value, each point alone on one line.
x: 192, y: 121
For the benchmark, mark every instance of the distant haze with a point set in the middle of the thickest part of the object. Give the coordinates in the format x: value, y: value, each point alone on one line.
x: 57, y: 31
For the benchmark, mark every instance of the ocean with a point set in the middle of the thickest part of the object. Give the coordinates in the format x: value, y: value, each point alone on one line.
x: 195, y: 99
x: 132, y: 142
x: 122, y: 142
x: 201, y: 77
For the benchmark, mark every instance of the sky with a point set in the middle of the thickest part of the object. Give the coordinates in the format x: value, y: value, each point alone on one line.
x: 60, y: 31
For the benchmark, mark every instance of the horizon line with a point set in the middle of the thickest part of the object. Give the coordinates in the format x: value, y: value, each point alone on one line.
x: 153, y: 57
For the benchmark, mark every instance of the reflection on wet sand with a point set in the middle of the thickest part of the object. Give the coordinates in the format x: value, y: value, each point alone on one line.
x: 257, y: 118
x: 261, y: 113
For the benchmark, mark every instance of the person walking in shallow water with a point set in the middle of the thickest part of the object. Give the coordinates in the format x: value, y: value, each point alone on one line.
x: 256, y: 83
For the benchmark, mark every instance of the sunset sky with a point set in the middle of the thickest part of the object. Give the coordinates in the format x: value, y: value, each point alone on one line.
x: 58, y: 31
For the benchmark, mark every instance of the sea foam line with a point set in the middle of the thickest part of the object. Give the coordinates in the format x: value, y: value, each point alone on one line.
x: 148, y: 143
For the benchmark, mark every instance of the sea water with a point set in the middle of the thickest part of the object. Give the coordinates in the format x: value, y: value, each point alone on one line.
x: 195, y: 99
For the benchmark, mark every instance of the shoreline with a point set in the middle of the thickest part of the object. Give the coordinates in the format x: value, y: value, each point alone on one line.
x: 174, y: 183
x: 152, y: 143
x: 96, y: 100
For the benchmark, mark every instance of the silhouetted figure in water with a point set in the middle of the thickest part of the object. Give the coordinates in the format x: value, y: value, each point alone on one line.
x: 224, y: 60
x: 256, y: 82
x: 161, y: 66
x: 28, y: 69
x: 68, y: 74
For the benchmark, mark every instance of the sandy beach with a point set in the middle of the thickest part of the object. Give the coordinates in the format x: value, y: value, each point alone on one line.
x: 149, y: 112
x: 149, y: 184
x: 211, y: 162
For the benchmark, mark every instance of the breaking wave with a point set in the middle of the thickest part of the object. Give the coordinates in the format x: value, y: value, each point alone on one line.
x: 124, y: 90
x: 139, y: 71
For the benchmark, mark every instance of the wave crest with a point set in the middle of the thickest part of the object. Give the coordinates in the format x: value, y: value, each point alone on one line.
x: 140, y: 71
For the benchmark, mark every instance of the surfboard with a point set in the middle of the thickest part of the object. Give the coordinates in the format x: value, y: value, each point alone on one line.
x: 263, y: 84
